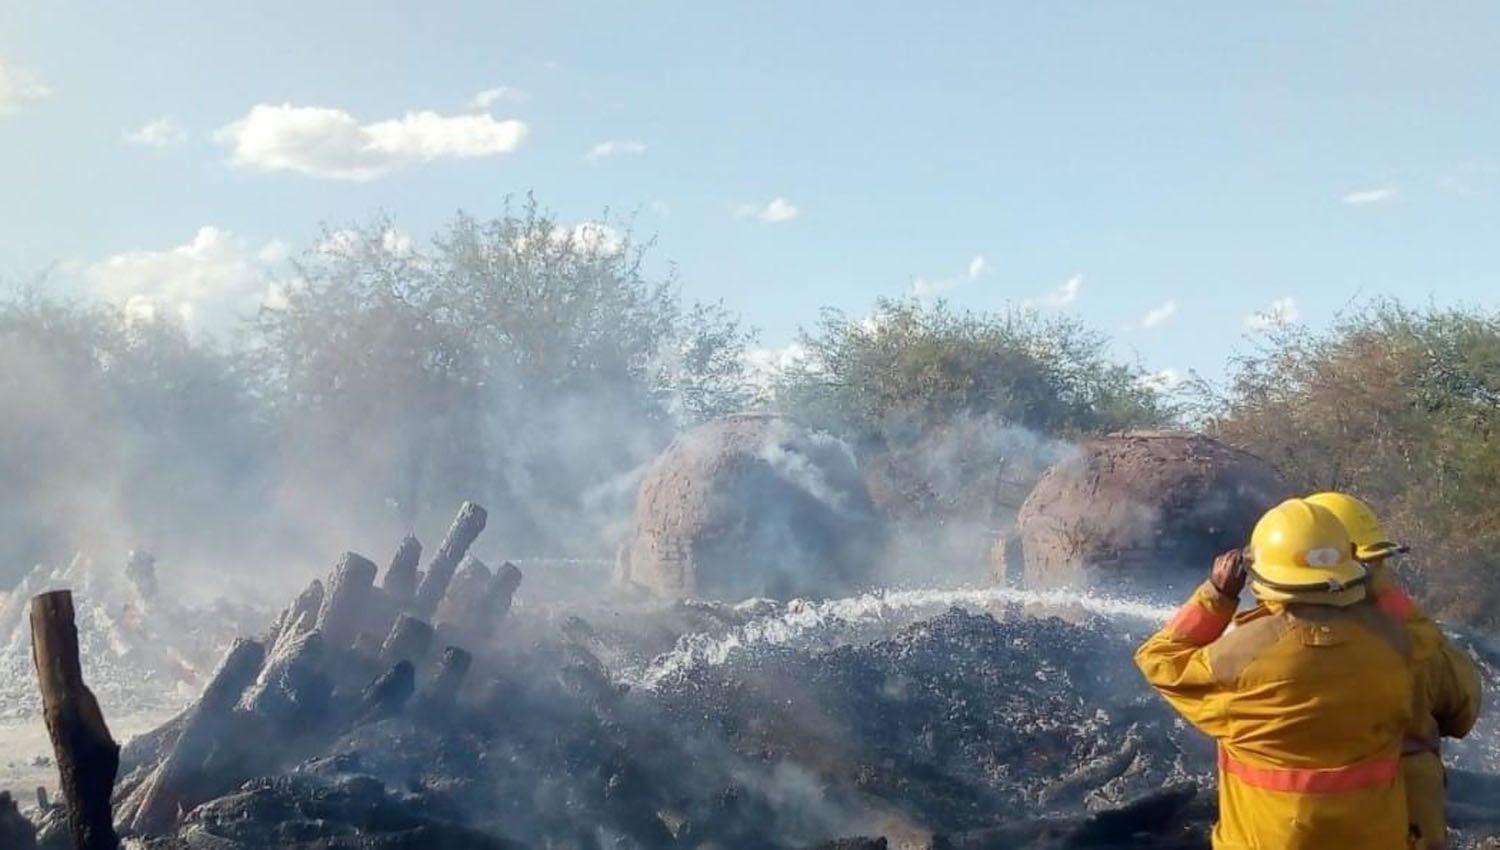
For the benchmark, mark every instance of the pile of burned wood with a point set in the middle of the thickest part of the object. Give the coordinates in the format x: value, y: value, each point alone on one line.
x: 348, y: 651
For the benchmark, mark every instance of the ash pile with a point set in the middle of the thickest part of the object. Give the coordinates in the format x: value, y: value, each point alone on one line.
x: 144, y: 650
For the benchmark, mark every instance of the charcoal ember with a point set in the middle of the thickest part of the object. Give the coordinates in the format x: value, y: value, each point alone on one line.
x: 16, y: 832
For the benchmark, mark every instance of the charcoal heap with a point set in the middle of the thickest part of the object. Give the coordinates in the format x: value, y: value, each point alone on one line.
x: 958, y: 724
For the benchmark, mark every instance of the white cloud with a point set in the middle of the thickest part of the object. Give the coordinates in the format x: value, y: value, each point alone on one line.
x: 348, y: 243
x: 776, y: 211
x: 596, y: 237
x: 1163, y: 381
x: 615, y: 147
x: 323, y: 142
x: 1372, y: 196
x: 1160, y: 315
x: 764, y: 364
x: 925, y: 288
x: 498, y: 94
x: 18, y: 88
x: 1282, y: 311
x: 161, y: 133
x: 208, y: 283
x: 1061, y: 297
x: 593, y: 237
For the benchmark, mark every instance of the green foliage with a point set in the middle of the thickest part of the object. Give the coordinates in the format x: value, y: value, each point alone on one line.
x: 1398, y: 406
x: 914, y: 366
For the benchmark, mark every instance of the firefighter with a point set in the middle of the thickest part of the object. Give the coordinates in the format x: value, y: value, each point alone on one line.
x: 1446, y: 695
x: 1308, y: 697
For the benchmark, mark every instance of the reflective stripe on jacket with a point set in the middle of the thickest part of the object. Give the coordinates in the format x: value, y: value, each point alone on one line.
x: 1308, y: 704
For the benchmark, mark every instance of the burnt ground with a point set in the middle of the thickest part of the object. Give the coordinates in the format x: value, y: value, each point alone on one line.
x: 957, y: 731
x: 877, y: 721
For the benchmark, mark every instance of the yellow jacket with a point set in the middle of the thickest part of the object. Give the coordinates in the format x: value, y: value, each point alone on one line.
x: 1446, y: 700
x: 1445, y: 703
x: 1308, y: 703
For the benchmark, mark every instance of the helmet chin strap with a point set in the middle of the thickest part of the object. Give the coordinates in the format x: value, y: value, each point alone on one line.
x: 1331, y: 585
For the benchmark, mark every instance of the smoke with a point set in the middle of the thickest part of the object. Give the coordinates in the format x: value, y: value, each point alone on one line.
x: 952, y: 495
x: 519, y: 362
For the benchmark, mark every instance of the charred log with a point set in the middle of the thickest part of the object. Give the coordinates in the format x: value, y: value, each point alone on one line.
x: 387, y: 695
x: 292, y: 686
x: 299, y: 616
x: 409, y: 640
x: 502, y: 595
x: 15, y: 830
x: 339, y: 617
x: 466, y: 527
x: 87, y: 757
x: 171, y: 787
x: 400, y: 579
x: 463, y: 606
x: 446, y: 682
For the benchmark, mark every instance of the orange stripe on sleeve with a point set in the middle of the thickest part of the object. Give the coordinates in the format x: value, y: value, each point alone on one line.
x: 1395, y: 603
x: 1198, y: 624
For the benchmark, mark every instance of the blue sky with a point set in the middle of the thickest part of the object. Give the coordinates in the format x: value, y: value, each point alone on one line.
x: 1192, y: 163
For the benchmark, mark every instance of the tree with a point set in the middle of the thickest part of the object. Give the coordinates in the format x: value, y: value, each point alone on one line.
x: 956, y: 414
x: 911, y: 366
x: 1398, y: 406
x: 513, y: 360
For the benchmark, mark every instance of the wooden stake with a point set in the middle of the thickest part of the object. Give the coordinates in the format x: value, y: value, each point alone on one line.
x: 87, y: 757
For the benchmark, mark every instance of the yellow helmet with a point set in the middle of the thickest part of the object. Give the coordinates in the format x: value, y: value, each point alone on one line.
x: 1370, y: 540
x: 1301, y: 546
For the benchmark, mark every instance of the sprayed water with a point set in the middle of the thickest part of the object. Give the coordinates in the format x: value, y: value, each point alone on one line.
x: 801, y: 624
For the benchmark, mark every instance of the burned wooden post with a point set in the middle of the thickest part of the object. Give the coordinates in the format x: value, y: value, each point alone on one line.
x: 400, y: 579
x: 343, y: 609
x: 408, y: 641
x: 462, y: 607
x: 299, y: 616
x: 448, y: 679
x: 291, y: 685
x: 466, y: 527
x: 386, y: 695
x: 87, y: 757
x: 502, y: 594
x: 169, y: 790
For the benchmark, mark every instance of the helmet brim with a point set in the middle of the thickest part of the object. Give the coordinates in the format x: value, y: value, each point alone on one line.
x: 1300, y: 578
x: 1378, y: 551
